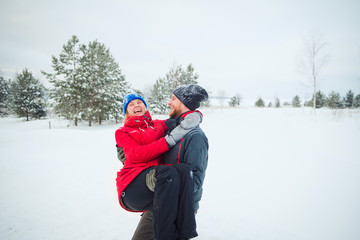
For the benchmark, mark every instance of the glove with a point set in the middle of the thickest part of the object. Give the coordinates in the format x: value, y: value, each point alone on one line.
x: 191, y: 120
x: 120, y: 154
x: 186, y: 125
x: 151, y: 180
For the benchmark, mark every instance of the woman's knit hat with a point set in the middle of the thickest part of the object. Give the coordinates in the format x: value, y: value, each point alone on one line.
x: 191, y: 95
x: 128, y: 98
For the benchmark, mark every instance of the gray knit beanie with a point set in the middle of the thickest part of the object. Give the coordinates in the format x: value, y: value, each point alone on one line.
x: 191, y: 95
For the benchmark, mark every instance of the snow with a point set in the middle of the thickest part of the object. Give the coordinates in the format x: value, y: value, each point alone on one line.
x: 273, y: 174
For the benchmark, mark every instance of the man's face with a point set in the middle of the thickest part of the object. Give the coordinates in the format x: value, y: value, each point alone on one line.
x: 176, y: 107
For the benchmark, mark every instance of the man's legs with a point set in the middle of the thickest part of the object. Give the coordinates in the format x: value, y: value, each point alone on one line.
x: 144, y: 230
x: 165, y: 207
x: 185, y: 216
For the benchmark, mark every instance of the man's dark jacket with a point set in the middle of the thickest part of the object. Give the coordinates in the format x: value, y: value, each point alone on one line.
x: 193, y: 150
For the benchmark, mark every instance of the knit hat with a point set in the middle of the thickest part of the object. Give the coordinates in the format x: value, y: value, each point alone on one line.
x: 128, y: 98
x: 191, y: 95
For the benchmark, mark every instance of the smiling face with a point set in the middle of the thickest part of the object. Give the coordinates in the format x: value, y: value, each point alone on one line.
x: 176, y: 107
x: 136, y: 108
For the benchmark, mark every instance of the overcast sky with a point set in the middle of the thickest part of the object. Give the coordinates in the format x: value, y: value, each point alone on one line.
x: 251, y: 48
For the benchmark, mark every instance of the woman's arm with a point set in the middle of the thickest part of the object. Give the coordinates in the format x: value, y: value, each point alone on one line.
x: 137, y: 153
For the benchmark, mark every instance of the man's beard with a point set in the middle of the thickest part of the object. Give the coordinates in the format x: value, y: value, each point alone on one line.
x: 174, y: 113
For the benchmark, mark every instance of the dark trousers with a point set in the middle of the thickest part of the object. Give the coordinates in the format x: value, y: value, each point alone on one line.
x: 144, y: 229
x: 172, y: 202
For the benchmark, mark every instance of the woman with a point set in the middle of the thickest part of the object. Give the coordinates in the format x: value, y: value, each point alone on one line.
x: 143, y: 141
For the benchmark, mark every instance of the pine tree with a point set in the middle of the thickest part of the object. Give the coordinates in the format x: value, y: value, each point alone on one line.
x: 277, y: 102
x: 162, y: 89
x: 178, y: 76
x: 296, y: 102
x: 67, y: 81
x: 349, y: 100
x: 320, y: 100
x: 233, y: 102
x: 334, y: 100
x: 159, y: 97
x: 4, y: 95
x: 104, y: 85
x: 27, y: 96
x: 357, y: 101
x: 260, y: 103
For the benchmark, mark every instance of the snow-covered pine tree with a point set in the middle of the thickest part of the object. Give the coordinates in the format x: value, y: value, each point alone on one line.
x: 159, y: 97
x: 349, y: 99
x: 67, y: 91
x: 235, y: 101
x: 27, y: 96
x: 4, y: 95
x: 296, y: 102
x: 320, y: 100
x: 162, y: 90
x: 260, y: 103
x: 277, y: 102
x: 357, y: 101
x: 334, y: 100
x: 104, y: 85
x: 178, y: 76
x: 232, y: 102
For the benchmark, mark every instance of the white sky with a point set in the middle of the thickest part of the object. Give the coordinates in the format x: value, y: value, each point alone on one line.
x: 246, y: 47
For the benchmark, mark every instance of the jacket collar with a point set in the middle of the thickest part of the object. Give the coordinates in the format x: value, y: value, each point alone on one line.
x: 143, y: 121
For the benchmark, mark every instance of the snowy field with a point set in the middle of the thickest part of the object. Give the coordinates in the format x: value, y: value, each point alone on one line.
x: 281, y: 174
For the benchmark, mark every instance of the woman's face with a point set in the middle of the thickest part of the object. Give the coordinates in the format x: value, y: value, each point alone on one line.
x: 136, y: 108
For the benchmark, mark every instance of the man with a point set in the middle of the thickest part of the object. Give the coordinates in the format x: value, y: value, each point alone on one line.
x: 192, y: 150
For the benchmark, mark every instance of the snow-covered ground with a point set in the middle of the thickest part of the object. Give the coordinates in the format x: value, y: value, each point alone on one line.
x: 273, y: 174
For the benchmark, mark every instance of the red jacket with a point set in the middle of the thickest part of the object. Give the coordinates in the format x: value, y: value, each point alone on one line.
x: 143, y: 142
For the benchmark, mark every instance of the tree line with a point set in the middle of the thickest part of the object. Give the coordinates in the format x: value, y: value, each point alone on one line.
x: 332, y: 100
x: 87, y: 84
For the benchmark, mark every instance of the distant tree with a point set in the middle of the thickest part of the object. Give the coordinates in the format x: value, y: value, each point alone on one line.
x: 277, y: 102
x: 260, y: 103
x: 334, y: 100
x: 27, y: 96
x: 313, y: 61
x: 232, y: 102
x: 206, y: 103
x: 357, y: 101
x: 162, y: 89
x: 286, y: 103
x: 159, y: 97
x: 349, y: 99
x: 235, y: 101
x: 4, y: 95
x: 178, y: 76
x: 270, y: 105
x: 320, y: 100
x: 296, y: 102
